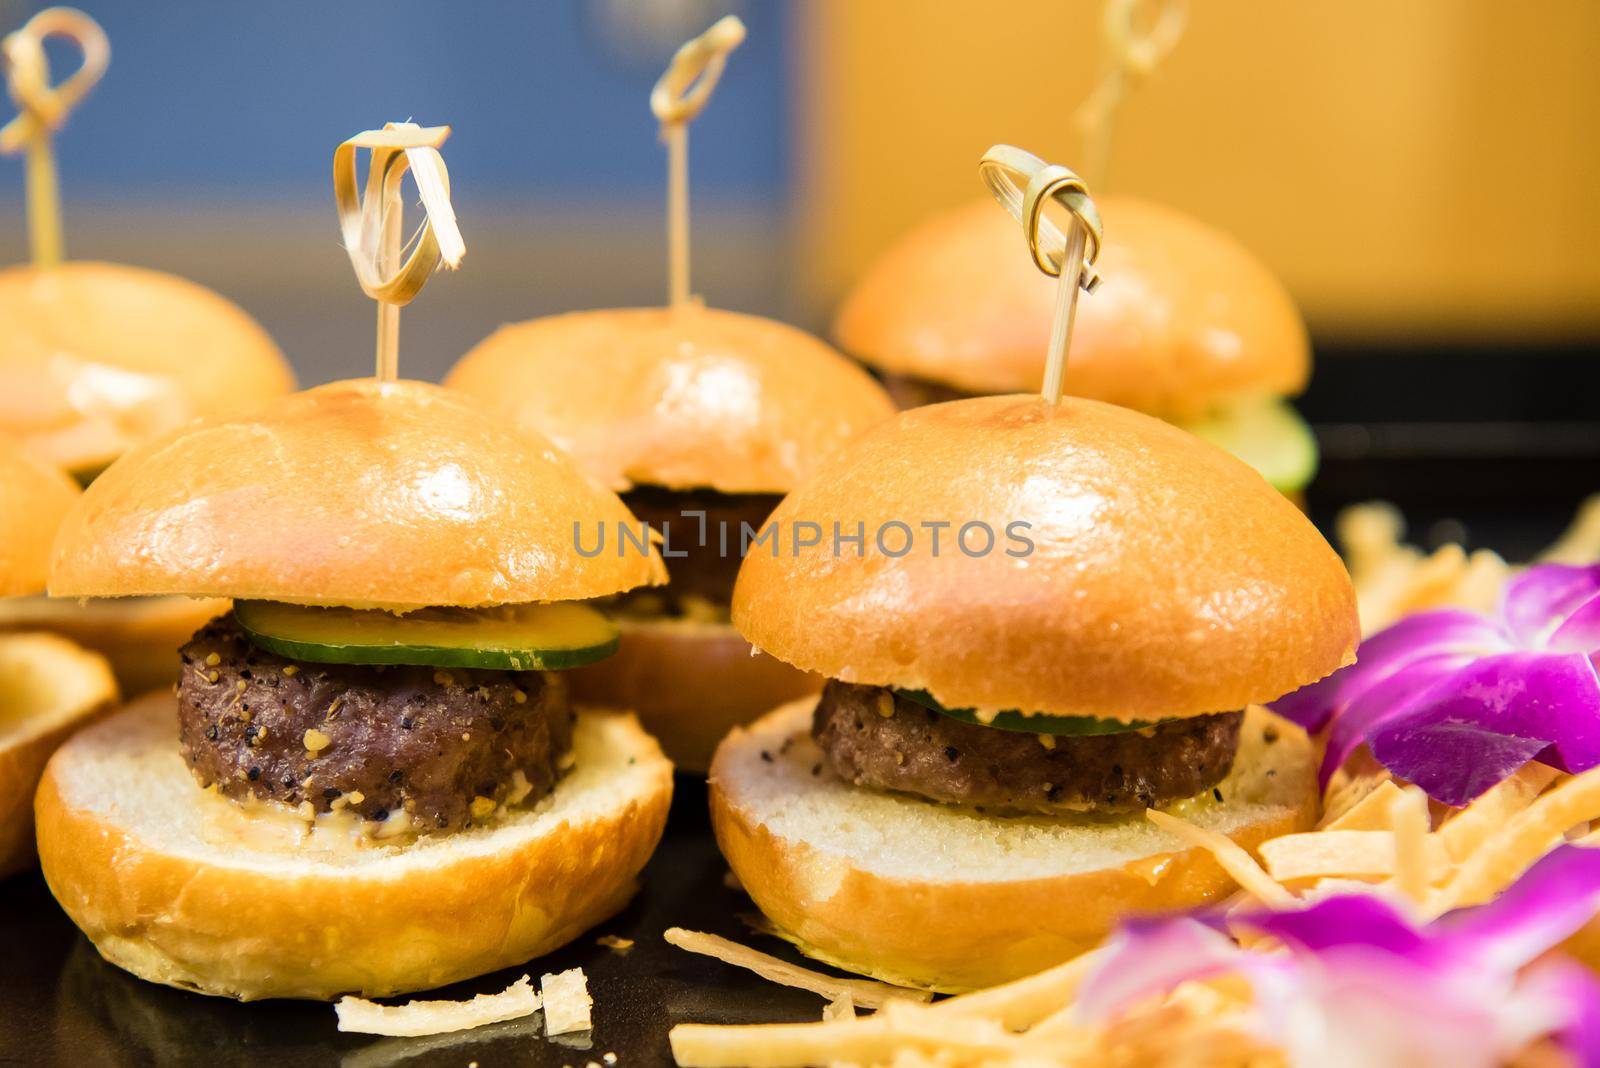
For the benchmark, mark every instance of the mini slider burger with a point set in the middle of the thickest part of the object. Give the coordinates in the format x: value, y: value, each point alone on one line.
x: 702, y: 419
x: 48, y: 686
x: 98, y: 357
x: 1188, y: 326
x: 1037, y: 619
x: 371, y: 777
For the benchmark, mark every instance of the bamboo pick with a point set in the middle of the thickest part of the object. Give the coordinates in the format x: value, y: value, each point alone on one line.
x: 388, y: 363
x: 371, y: 223
x: 1023, y: 184
x: 678, y: 97
x: 42, y: 108
x: 1066, y: 314
x: 1132, y: 53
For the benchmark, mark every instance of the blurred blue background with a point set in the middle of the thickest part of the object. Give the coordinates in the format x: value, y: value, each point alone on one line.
x: 211, y: 99
x: 207, y: 150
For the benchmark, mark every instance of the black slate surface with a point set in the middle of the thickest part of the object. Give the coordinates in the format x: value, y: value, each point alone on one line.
x: 61, y: 1004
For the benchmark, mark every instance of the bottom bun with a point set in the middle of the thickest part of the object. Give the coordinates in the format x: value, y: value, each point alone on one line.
x: 140, y: 636
x: 947, y: 898
x: 48, y: 689
x: 690, y: 683
x: 167, y: 884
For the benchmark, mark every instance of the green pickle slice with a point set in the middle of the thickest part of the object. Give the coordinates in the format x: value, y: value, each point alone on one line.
x: 1026, y: 723
x: 523, y: 637
x: 1268, y: 435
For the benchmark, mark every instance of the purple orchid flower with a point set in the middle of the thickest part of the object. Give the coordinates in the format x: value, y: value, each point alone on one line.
x: 1363, y: 984
x: 1456, y: 702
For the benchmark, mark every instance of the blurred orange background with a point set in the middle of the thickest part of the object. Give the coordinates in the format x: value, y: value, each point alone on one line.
x: 1421, y: 167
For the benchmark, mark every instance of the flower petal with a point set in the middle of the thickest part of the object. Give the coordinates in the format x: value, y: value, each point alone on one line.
x: 1386, y: 699
x: 1350, y: 919
x: 1364, y: 984
x: 1149, y: 958
x: 1453, y: 760
x: 1380, y: 1011
x: 1492, y: 717
x: 1571, y: 991
x: 1581, y: 631
x: 1450, y: 630
x: 1537, y: 600
x: 1551, y: 901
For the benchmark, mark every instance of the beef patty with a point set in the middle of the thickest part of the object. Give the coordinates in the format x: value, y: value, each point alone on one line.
x: 705, y: 571
x: 422, y: 740
x: 874, y: 737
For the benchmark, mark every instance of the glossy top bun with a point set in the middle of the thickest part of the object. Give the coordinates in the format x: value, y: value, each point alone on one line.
x: 97, y: 357
x: 1184, y: 319
x: 33, y: 500
x: 1166, y: 577
x: 685, y: 398
x: 374, y: 495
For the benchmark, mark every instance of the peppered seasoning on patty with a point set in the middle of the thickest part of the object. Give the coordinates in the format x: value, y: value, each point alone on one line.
x: 428, y: 741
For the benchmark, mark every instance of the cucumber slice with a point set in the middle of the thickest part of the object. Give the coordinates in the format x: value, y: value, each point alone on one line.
x: 1268, y: 435
x: 1070, y: 726
x: 523, y: 637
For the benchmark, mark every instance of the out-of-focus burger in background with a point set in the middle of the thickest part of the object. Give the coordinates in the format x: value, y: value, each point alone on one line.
x: 1085, y: 638
x: 371, y: 776
x: 702, y: 419
x: 1186, y: 325
x: 48, y: 686
x: 96, y: 358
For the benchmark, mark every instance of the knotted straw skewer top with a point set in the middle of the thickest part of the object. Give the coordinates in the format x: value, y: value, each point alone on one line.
x: 1023, y: 184
x: 677, y: 98
x: 696, y: 67
x: 1135, y: 45
x: 43, y: 107
x: 371, y: 224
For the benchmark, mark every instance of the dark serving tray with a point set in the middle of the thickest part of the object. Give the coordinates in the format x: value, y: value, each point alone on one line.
x: 61, y: 1004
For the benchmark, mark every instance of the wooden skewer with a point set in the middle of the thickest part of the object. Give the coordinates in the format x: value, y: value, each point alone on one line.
x: 1023, y: 183
x: 1132, y: 52
x: 677, y: 135
x: 1068, y: 282
x: 43, y: 108
x: 677, y: 98
x: 388, y: 363
x: 371, y: 224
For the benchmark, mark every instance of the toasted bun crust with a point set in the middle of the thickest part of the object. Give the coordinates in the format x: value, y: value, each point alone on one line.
x: 48, y: 689
x: 140, y: 636
x: 938, y: 896
x: 128, y: 846
x: 34, y: 498
x: 98, y: 357
x: 690, y: 683
x: 1167, y: 578
x: 684, y: 398
x: 374, y: 495
x: 1184, y: 318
